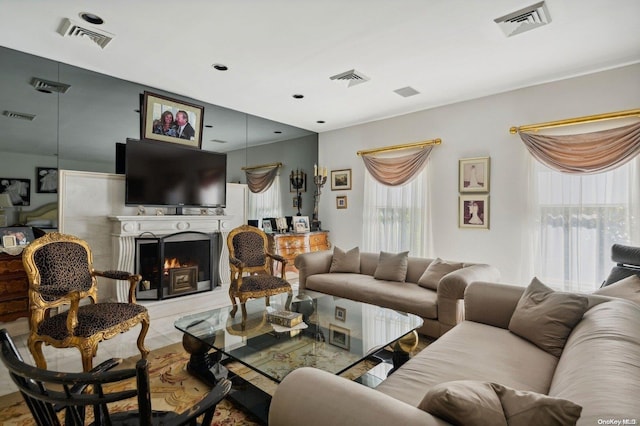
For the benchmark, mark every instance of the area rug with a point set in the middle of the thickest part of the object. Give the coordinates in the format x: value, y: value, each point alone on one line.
x: 174, y: 389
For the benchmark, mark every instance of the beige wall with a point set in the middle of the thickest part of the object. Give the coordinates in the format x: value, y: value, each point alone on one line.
x: 473, y: 128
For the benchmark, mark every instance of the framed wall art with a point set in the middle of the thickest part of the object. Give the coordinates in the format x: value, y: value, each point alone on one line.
x: 46, y: 180
x: 339, y: 336
x: 171, y: 120
x: 341, y: 202
x: 474, y: 174
x: 19, y: 190
x: 340, y: 179
x: 473, y: 211
x: 341, y: 314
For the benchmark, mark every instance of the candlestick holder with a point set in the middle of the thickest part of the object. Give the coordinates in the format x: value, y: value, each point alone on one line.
x: 319, y: 180
x: 297, y: 180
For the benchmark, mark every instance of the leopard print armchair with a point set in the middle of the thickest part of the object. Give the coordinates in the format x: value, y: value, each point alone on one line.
x: 63, y: 300
x: 252, y: 269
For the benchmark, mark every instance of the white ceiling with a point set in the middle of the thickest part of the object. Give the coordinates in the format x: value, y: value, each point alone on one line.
x: 448, y: 50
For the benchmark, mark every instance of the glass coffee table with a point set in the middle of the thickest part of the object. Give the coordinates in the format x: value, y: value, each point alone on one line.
x: 336, y: 334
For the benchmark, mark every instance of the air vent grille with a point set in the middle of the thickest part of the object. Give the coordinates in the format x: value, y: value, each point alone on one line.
x: 49, y: 86
x: 68, y: 28
x: 405, y: 92
x: 352, y: 76
x: 525, y: 19
x: 19, y: 115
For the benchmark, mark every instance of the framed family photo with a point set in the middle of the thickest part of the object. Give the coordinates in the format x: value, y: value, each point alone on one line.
x: 171, y: 120
x: 18, y: 235
x: 474, y: 211
x: 340, y: 179
x: 300, y: 224
x: 474, y: 174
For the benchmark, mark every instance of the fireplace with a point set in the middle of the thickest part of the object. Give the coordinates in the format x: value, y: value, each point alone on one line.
x: 177, y: 264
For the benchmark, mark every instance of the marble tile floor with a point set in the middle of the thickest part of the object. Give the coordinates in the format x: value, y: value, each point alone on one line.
x: 161, y: 333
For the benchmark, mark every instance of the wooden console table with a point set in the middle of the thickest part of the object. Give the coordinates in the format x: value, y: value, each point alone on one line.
x: 14, y: 287
x: 291, y: 245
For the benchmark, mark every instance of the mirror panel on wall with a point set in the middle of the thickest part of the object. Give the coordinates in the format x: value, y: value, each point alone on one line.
x: 78, y: 129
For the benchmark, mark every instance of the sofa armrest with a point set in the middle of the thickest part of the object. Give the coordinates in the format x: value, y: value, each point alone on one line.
x: 491, y: 303
x: 318, y: 262
x: 312, y: 397
x: 451, y: 290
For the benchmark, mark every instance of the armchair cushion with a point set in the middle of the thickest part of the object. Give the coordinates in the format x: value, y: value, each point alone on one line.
x: 249, y: 246
x: 546, y: 317
x: 345, y: 261
x: 262, y: 282
x: 435, y: 271
x: 392, y: 266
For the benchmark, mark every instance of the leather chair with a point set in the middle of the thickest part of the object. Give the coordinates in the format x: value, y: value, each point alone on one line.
x: 627, y: 260
x: 63, y: 300
x: 252, y: 269
x: 48, y: 393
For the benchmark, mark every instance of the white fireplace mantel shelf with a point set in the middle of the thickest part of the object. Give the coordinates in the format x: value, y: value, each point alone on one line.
x: 124, y: 230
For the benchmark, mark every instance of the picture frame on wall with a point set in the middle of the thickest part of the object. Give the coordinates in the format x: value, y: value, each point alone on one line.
x: 19, y: 190
x: 474, y: 174
x: 341, y: 202
x: 171, y: 120
x: 46, y: 180
x: 341, y: 314
x: 339, y: 336
x: 473, y: 211
x: 340, y: 179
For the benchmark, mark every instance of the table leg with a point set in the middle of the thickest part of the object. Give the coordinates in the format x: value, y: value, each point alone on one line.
x: 203, y: 364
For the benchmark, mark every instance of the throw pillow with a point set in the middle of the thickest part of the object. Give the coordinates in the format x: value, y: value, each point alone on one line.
x: 435, y: 271
x: 523, y: 408
x: 628, y: 288
x: 392, y: 266
x: 464, y: 402
x: 345, y: 261
x: 546, y: 317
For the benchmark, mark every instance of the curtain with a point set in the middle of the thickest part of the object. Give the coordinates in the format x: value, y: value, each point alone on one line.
x: 267, y: 203
x: 261, y: 180
x: 593, y: 152
x: 395, y: 171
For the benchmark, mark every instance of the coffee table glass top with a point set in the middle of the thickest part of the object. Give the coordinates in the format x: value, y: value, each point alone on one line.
x: 339, y: 333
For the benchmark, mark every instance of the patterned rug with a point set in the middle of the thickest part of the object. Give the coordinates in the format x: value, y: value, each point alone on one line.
x: 174, y: 389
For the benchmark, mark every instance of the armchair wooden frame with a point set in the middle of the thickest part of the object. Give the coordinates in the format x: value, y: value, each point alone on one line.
x: 64, y: 304
x: 241, y: 268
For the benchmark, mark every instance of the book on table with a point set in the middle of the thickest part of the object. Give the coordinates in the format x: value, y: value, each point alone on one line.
x: 284, y: 318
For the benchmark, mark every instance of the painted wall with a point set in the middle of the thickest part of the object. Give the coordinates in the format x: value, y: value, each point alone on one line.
x: 300, y: 153
x: 475, y: 128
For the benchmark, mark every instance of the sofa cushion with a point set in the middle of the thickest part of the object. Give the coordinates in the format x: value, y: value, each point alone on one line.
x: 345, y: 261
x: 464, y: 402
x: 546, y: 317
x: 435, y: 271
x: 627, y: 288
x: 392, y: 266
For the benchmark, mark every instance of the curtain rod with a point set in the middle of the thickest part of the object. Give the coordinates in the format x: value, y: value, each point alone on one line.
x: 436, y: 141
x: 578, y: 120
x: 263, y: 166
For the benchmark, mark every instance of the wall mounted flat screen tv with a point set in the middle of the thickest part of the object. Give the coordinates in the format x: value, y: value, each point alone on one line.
x: 171, y: 175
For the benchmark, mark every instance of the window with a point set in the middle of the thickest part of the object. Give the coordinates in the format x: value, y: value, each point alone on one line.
x: 578, y: 219
x: 267, y: 203
x: 396, y: 218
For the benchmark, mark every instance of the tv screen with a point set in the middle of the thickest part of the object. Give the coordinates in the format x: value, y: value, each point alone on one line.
x: 166, y: 174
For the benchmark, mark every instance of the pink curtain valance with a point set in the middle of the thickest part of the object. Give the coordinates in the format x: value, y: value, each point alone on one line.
x: 397, y: 171
x: 586, y: 153
x: 260, y: 181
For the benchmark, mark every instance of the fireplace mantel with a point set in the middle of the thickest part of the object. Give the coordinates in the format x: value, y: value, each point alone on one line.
x: 124, y: 230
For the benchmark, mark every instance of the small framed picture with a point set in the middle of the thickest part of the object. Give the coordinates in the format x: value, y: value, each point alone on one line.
x: 46, y: 180
x: 281, y: 224
x: 339, y: 336
x: 473, y: 211
x: 266, y: 226
x: 295, y: 202
x: 171, y: 120
x: 340, y: 179
x: 300, y: 224
x: 341, y: 202
x: 23, y: 235
x: 9, y: 241
x: 341, y: 314
x: 473, y: 174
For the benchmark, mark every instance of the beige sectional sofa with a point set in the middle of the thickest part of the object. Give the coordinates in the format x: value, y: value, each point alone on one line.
x: 439, y: 304
x: 598, y: 369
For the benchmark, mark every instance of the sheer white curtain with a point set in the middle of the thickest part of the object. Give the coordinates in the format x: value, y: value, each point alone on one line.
x: 397, y: 218
x: 267, y: 203
x: 577, y: 218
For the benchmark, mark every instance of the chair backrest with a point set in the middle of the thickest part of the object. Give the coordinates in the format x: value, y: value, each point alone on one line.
x: 249, y: 245
x: 47, y: 392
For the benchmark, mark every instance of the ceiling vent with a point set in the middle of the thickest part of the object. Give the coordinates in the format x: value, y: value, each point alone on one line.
x: 352, y: 76
x: 19, y: 115
x: 48, y: 86
x: 405, y: 92
x: 525, y: 19
x: 68, y: 28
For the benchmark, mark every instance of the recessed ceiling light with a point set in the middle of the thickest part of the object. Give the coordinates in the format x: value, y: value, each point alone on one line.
x: 208, y: 126
x: 277, y: 131
x: 91, y: 18
x: 220, y: 67
x: 298, y: 96
x: 320, y: 121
